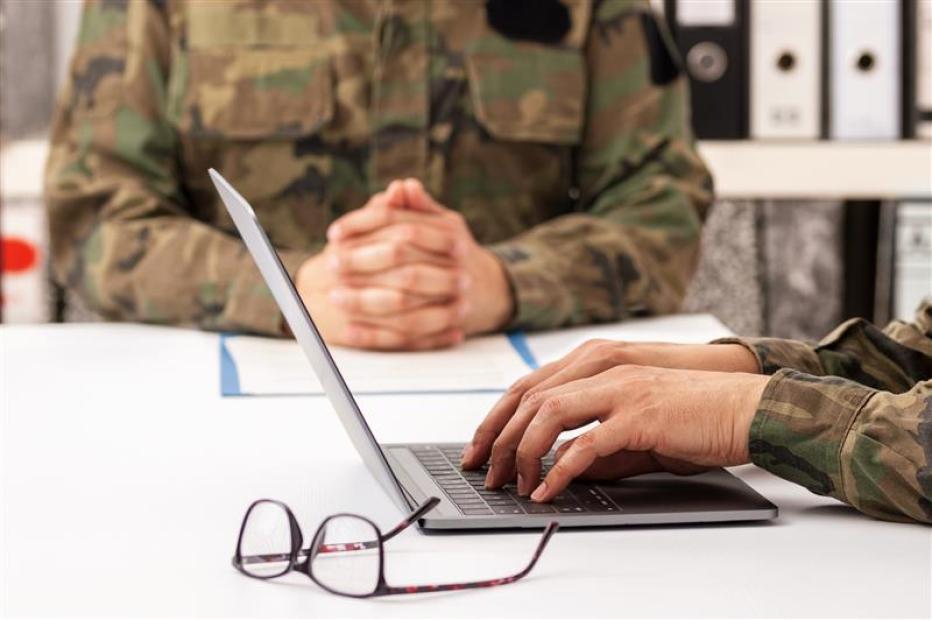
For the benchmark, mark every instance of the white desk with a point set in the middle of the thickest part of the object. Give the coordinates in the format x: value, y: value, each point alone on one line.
x: 125, y: 475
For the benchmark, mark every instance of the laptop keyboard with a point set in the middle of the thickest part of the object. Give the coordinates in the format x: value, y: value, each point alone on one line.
x: 467, y: 489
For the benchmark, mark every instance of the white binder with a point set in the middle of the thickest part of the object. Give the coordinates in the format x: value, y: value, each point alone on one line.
x: 786, y: 61
x: 913, y: 263
x: 865, y: 68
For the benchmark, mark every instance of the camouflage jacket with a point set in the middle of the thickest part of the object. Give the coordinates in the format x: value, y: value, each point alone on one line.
x: 571, y: 158
x: 851, y: 417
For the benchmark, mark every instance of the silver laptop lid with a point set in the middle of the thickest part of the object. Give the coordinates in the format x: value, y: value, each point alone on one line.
x: 304, y: 330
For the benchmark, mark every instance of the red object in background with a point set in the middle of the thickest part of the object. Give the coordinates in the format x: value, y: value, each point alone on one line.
x: 17, y: 255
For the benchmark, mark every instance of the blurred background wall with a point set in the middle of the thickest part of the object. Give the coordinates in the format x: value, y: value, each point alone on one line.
x: 789, y: 266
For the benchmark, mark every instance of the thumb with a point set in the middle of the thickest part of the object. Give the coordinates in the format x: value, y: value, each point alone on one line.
x: 418, y: 199
x: 621, y: 464
x: 395, y: 195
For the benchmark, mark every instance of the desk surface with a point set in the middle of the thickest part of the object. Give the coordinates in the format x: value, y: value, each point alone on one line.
x: 124, y: 475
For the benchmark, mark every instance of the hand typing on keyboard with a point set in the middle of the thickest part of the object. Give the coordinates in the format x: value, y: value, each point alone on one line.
x: 467, y: 489
x: 650, y: 418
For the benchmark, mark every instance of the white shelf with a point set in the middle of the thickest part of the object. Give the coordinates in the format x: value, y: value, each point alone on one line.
x: 22, y: 165
x: 820, y: 170
x: 745, y: 169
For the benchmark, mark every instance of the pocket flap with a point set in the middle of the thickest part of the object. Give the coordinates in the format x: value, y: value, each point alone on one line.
x: 252, y: 93
x: 534, y: 95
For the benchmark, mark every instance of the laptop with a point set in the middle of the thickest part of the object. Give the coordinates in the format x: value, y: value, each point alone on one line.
x: 411, y: 473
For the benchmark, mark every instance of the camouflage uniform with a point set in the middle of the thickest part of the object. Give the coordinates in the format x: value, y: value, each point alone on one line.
x: 851, y: 417
x: 572, y: 159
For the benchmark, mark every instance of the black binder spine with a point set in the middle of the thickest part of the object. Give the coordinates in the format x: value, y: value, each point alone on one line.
x: 716, y: 58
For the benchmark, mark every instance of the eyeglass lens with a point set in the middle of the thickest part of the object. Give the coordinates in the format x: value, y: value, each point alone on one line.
x: 265, y: 545
x: 346, y: 556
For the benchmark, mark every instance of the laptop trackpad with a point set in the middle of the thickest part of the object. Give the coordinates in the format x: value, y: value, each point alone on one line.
x: 710, y: 491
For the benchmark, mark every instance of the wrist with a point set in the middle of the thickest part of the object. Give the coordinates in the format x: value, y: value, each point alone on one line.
x: 745, y: 409
x: 497, y: 307
x: 735, y: 358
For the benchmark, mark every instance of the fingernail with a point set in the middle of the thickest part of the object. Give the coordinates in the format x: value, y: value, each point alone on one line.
x: 337, y: 297
x: 488, y: 476
x: 463, y: 309
x: 468, y: 451
x: 334, y: 263
x: 539, y: 492
x: 459, y: 250
x: 521, y: 488
x: 334, y: 232
x: 464, y: 282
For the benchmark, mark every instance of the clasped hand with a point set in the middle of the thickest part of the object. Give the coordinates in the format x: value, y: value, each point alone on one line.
x: 405, y: 273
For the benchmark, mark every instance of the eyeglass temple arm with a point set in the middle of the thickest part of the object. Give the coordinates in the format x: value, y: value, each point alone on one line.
x: 548, y: 533
x: 419, y: 512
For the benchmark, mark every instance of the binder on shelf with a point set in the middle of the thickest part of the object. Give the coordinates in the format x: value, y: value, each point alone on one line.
x: 908, y: 32
x: 786, y: 68
x: 912, y: 277
x: 923, y: 59
x: 712, y: 37
x: 865, y: 69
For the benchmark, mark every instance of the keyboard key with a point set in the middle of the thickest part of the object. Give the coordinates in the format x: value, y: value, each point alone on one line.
x: 462, y: 501
x: 507, y: 510
x: 533, y: 508
x: 464, y: 506
x: 500, y: 501
x: 565, y: 502
x: 476, y: 511
x: 458, y: 485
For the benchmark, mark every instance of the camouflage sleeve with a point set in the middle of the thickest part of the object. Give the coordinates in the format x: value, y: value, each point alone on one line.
x: 632, y: 246
x: 851, y: 417
x: 868, y: 448
x: 123, y: 234
x: 894, y: 359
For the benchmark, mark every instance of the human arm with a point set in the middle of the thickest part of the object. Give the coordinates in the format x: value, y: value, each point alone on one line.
x: 123, y: 231
x: 865, y: 446
x: 892, y: 359
x: 632, y: 244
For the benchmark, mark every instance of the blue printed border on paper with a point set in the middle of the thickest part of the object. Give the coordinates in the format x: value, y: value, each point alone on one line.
x: 518, y: 340
x: 229, y: 375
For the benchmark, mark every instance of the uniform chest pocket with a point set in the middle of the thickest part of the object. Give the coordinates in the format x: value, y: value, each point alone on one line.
x: 251, y: 92
x: 533, y: 95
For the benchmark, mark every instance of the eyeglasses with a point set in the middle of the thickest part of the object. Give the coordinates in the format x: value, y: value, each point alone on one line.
x: 346, y: 555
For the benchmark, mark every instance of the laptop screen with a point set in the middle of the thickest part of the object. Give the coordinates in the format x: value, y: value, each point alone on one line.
x: 308, y: 337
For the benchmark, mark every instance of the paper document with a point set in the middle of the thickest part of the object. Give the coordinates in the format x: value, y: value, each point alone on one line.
x: 251, y: 366
x: 681, y: 328
x: 270, y: 366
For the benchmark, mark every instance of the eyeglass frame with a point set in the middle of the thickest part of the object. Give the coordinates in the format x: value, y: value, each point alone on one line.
x: 382, y: 588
